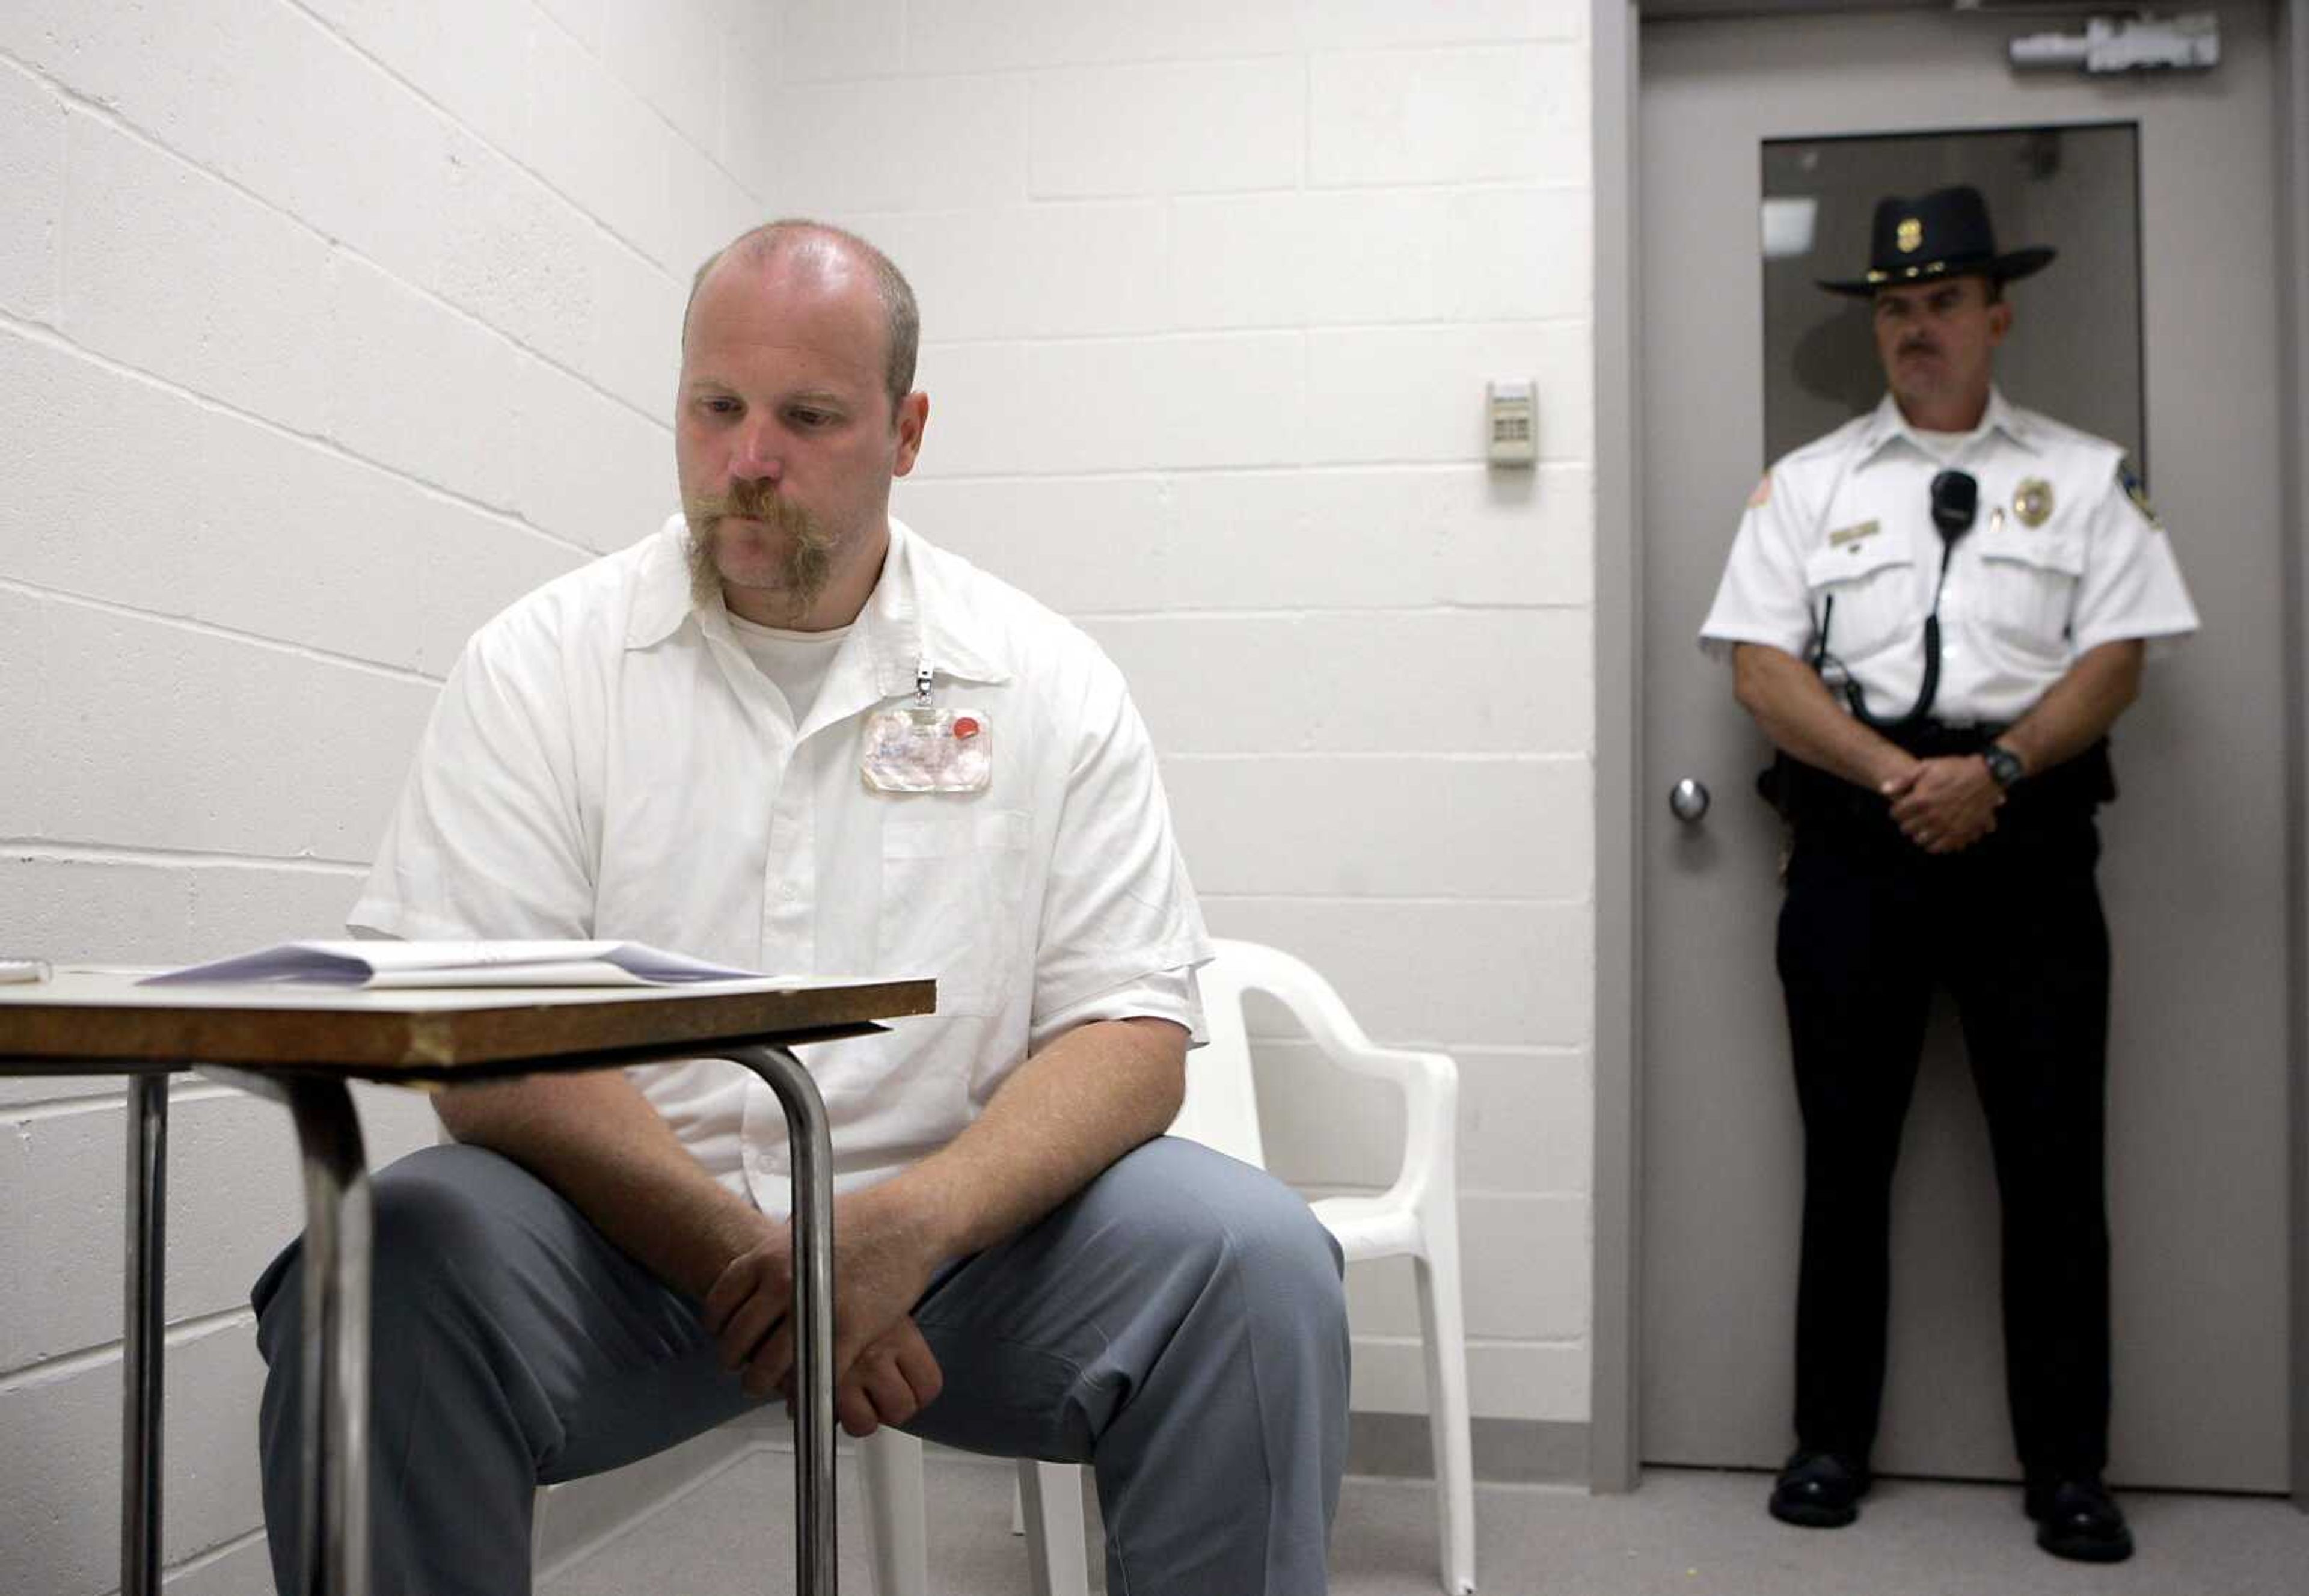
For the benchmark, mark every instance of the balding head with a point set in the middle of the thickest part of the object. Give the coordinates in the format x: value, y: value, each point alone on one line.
x: 829, y: 254
x: 796, y: 411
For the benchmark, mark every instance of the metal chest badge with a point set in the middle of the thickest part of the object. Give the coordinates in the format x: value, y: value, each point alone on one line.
x: 920, y: 749
x: 2032, y: 501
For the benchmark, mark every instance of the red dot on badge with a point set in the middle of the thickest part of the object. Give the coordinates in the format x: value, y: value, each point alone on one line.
x: 965, y: 728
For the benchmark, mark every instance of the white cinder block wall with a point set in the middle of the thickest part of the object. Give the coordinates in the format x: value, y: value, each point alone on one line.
x: 1210, y: 292
x: 327, y: 327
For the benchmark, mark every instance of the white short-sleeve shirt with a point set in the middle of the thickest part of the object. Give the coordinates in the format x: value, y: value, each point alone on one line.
x: 605, y: 761
x: 2062, y: 558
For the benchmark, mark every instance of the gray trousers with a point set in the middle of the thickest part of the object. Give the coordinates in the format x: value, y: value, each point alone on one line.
x: 1179, y: 1325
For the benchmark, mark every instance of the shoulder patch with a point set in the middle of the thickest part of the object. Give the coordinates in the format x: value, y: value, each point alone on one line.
x: 2130, y: 480
x: 1762, y: 496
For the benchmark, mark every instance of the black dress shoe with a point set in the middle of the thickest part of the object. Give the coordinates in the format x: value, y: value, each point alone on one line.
x: 2078, y: 1519
x: 1819, y: 1490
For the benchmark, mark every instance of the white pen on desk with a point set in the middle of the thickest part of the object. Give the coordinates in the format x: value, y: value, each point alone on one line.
x: 23, y: 969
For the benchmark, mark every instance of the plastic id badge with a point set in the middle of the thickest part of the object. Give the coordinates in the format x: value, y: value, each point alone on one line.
x: 919, y: 749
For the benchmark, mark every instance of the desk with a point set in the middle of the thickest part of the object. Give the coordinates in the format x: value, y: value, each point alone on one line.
x: 300, y: 1045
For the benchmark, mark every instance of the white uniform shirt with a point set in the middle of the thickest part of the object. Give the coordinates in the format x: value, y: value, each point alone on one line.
x: 605, y: 761
x: 2060, y: 560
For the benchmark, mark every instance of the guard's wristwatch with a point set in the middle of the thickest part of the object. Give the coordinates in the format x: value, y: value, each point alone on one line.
x: 2004, y: 766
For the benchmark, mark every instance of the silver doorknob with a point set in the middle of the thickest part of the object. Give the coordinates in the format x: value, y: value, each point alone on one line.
x: 1687, y: 801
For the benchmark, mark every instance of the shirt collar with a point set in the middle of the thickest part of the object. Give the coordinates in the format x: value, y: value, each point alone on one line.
x: 1886, y: 422
x: 661, y: 586
x: 916, y: 617
x: 2013, y: 421
x: 913, y: 616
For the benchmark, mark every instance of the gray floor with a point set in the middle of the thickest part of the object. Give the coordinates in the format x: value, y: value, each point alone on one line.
x: 1696, y: 1531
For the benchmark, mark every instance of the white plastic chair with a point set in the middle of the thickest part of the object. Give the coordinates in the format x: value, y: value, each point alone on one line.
x: 1418, y: 1216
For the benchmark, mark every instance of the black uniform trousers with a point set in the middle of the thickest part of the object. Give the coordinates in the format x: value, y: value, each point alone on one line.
x: 2012, y: 927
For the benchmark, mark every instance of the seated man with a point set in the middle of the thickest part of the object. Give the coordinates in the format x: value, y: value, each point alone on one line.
x: 680, y: 745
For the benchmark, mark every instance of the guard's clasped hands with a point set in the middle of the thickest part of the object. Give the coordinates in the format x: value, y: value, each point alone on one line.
x: 1945, y: 805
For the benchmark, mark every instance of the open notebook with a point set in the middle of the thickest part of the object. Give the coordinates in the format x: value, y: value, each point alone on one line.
x: 387, y: 964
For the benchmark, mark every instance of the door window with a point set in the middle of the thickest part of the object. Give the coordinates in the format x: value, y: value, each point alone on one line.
x: 2075, y: 348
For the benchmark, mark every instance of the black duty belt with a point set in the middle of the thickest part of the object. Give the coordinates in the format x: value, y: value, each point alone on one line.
x: 1806, y: 794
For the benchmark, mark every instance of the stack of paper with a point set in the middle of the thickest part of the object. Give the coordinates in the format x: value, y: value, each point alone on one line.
x: 386, y: 964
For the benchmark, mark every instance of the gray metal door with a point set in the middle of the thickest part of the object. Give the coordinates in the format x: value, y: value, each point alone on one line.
x: 2192, y: 869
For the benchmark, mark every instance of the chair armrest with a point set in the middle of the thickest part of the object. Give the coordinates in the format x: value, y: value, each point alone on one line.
x: 1429, y: 1081
x: 1317, y: 1005
x: 1425, y: 1189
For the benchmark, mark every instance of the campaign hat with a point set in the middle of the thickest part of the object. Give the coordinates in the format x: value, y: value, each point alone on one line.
x: 1942, y: 234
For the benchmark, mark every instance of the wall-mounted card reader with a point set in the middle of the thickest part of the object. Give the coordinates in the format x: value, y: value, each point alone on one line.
x: 1514, y: 421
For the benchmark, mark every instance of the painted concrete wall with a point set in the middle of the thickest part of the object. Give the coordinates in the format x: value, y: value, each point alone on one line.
x: 326, y: 328
x: 1210, y: 294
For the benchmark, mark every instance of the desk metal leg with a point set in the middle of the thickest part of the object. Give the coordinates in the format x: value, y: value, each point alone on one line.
x: 807, y: 1136
x: 338, y: 1235
x: 145, y: 1323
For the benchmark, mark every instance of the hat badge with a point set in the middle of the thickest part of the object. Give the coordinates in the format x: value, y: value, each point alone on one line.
x: 1910, y: 235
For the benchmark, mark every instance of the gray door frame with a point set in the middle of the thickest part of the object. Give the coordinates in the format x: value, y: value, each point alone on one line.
x: 1614, y: 1450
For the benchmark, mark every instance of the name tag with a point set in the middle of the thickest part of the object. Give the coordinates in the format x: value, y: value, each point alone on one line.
x: 918, y: 750
x: 1853, y: 534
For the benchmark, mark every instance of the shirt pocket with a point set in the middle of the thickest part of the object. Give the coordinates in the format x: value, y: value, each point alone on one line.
x: 1872, y: 583
x: 952, y: 884
x: 2028, y: 586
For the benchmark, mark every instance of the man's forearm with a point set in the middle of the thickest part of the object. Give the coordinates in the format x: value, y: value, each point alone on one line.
x: 1055, y: 1125
x: 2078, y: 710
x: 596, y: 1140
x: 1790, y: 702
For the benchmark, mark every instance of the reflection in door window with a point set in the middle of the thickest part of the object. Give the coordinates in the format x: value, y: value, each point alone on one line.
x: 2075, y: 348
